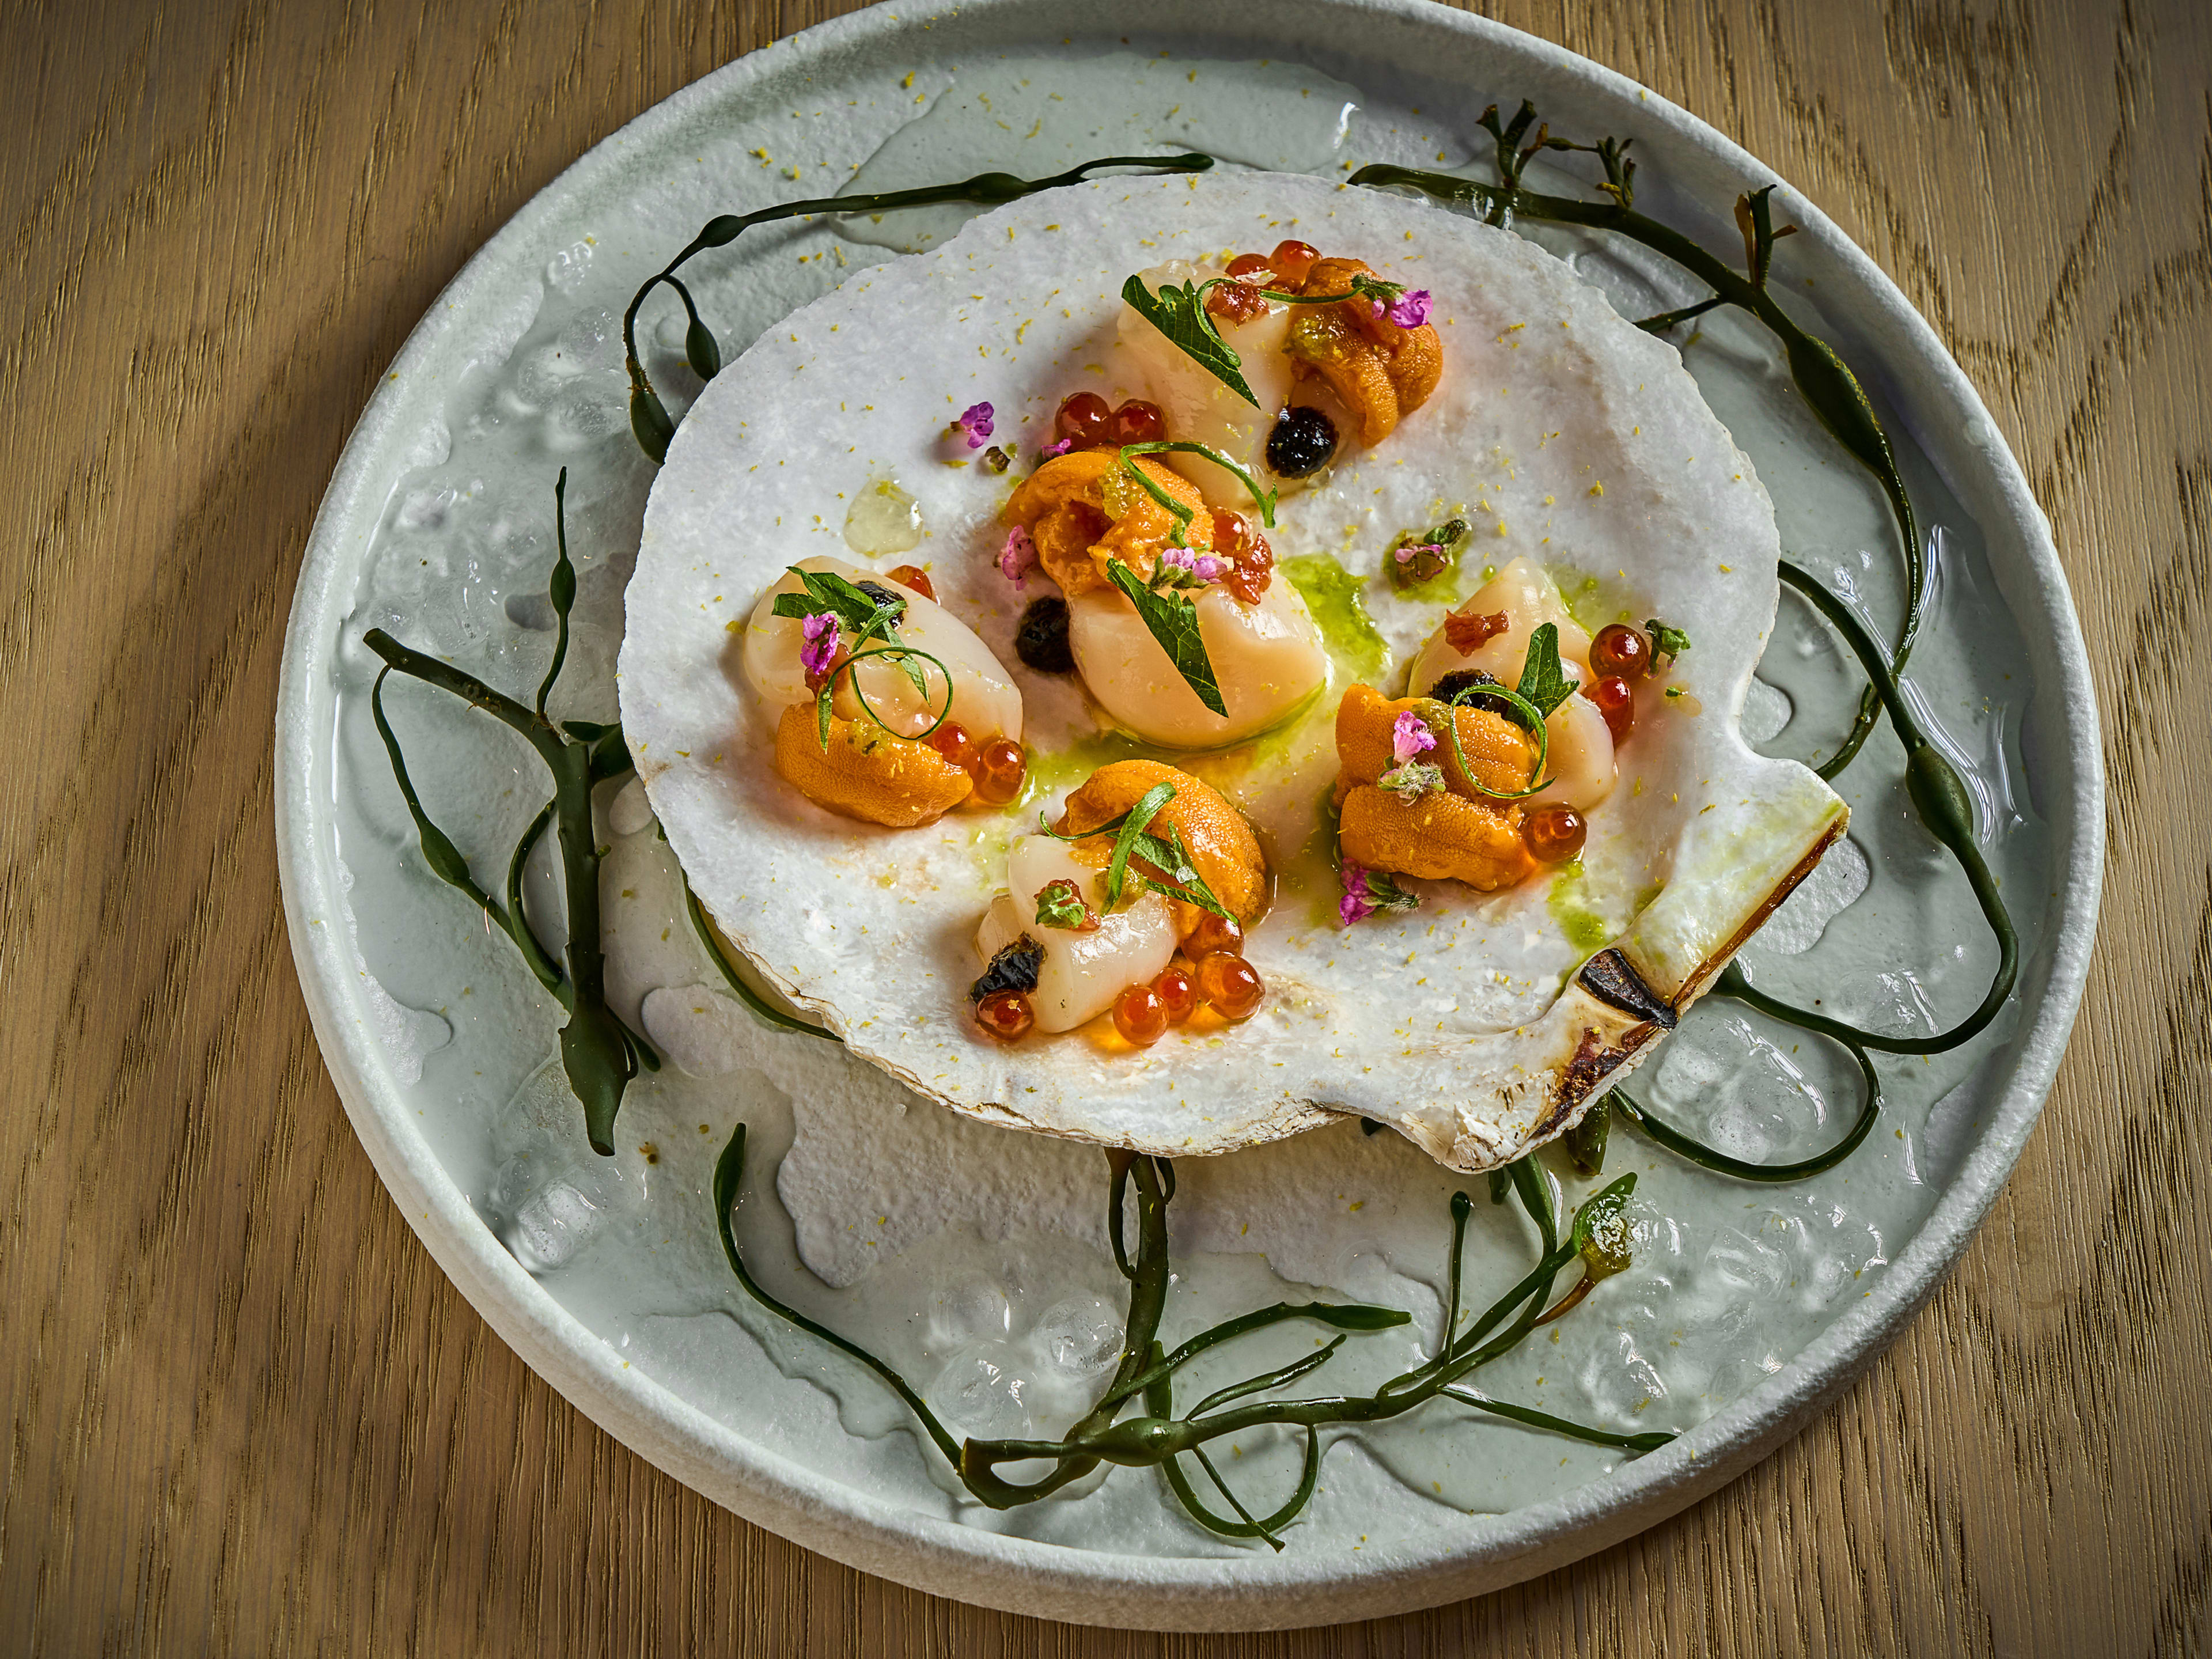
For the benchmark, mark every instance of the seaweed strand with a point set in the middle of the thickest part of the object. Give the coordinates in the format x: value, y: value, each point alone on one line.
x: 649, y: 420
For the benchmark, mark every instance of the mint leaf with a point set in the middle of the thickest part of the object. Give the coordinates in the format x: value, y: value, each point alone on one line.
x: 1179, y: 877
x: 1669, y: 642
x: 1173, y: 621
x: 860, y: 612
x: 1180, y: 314
x: 1543, y: 680
x: 1060, y: 904
x: 1132, y: 826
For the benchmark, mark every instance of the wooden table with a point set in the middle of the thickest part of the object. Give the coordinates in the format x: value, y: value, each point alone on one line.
x: 249, y: 1415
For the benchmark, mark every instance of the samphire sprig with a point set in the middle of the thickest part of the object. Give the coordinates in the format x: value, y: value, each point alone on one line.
x: 1828, y: 386
x: 599, y: 1053
x: 1157, y: 1437
x: 1837, y: 399
x: 649, y: 420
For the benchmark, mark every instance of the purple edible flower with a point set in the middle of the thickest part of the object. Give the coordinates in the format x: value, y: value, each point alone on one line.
x: 1409, y: 737
x: 1366, y: 891
x: 1405, y: 553
x: 1017, y: 557
x: 1197, y: 569
x: 975, y: 422
x: 820, y: 647
x: 1355, y: 905
x: 1052, y: 452
x: 1408, y: 309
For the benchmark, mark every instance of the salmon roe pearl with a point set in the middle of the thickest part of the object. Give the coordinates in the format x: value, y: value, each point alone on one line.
x: 1177, y: 993
x: 1249, y: 264
x: 951, y: 741
x: 1139, y: 1016
x: 1138, y: 422
x: 1553, y: 833
x: 1000, y: 771
x: 1230, y: 984
x: 1213, y: 933
x: 914, y: 576
x: 1004, y: 1014
x: 1616, y: 700
x: 1293, y: 261
x: 1619, y: 651
x: 1087, y: 418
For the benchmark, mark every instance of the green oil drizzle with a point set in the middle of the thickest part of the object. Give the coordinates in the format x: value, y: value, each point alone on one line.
x: 1570, y: 905
x: 1332, y: 594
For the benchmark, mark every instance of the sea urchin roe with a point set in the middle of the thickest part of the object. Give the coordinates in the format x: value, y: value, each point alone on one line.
x: 1230, y: 985
x: 1139, y: 1016
x: 1616, y: 700
x: 1620, y: 650
x: 1466, y: 634
x: 912, y: 576
x: 1177, y: 994
x: 1000, y: 771
x: 1553, y: 833
x: 1005, y: 1015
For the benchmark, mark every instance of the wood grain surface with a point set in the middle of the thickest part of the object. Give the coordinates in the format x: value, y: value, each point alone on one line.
x: 247, y: 1413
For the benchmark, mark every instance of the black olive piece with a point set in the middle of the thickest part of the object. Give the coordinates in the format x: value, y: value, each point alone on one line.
x: 1467, y: 679
x: 1302, y: 442
x: 879, y: 593
x: 1042, y: 640
x: 1014, y: 968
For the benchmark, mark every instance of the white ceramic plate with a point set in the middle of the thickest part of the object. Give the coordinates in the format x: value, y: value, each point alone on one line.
x: 437, y: 525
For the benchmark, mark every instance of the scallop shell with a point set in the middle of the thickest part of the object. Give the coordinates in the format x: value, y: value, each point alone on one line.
x: 1479, y: 1026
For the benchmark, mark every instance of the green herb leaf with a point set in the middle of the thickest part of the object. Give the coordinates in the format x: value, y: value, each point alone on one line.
x: 1132, y: 826
x: 1180, y: 314
x: 1264, y: 499
x: 1543, y: 680
x: 822, y: 716
x: 1181, y: 879
x: 1666, y: 641
x: 1173, y: 621
x: 860, y: 612
x: 1060, y: 904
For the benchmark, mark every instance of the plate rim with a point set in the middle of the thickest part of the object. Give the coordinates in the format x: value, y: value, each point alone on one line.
x: 1047, y: 1580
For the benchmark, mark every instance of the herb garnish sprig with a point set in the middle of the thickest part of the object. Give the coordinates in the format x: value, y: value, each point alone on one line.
x: 1543, y: 686
x: 649, y: 420
x: 1169, y: 616
x: 1828, y: 386
x: 1168, y: 868
x: 1841, y: 405
x: 1178, y: 311
x: 872, y: 612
